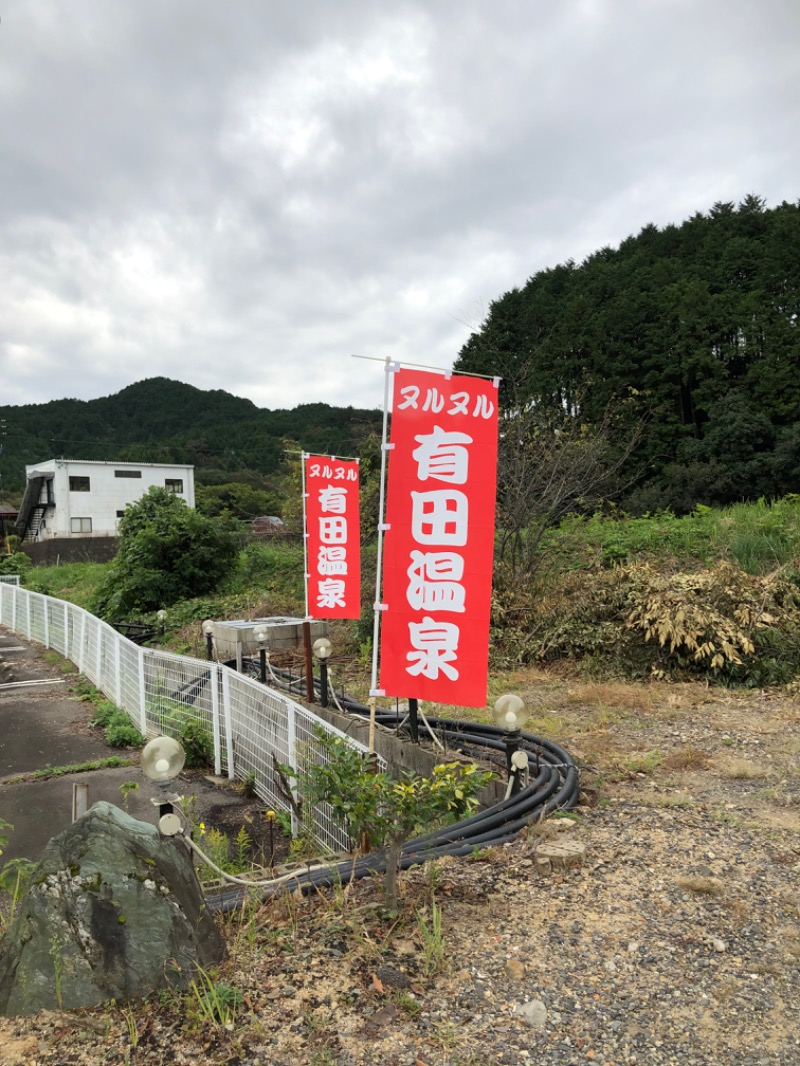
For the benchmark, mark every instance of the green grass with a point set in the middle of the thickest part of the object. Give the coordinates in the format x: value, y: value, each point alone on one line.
x: 265, y: 571
x: 581, y: 559
x: 757, y: 537
x: 81, y: 767
x: 76, y: 582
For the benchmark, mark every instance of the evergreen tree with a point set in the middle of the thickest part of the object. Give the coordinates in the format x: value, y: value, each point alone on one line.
x: 699, y: 322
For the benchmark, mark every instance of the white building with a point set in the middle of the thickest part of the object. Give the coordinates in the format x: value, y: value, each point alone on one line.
x: 70, y: 498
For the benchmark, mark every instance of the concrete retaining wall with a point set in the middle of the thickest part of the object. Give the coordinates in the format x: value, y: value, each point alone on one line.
x: 69, y: 550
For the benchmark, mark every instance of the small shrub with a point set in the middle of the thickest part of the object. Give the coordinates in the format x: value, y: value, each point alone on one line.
x: 386, y: 812
x: 121, y: 733
x: 105, y: 713
x: 179, y: 720
x: 434, y: 948
x: 5, y: 829
x: 126, y: 788
x: 216, y: 1002
x: 197, y: 742
x: 248, y: 785
x: 18, y: 563
x: 85, y: 691
x: 15, y: 876
x: 231, y: 856
x: 117, y: 727
x: 644, y: 764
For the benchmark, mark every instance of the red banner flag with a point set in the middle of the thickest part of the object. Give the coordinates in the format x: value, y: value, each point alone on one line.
x: 439, y: 539
x: 333, y: 538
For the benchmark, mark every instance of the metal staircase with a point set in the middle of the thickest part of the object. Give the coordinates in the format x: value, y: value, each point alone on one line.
x: 31, y: 510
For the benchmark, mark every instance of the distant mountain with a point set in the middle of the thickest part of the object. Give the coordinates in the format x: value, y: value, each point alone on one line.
x: 158, y: 420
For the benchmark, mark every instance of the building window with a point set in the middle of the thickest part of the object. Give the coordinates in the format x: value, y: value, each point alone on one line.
x: 127, y: 473
x: 120, y: 514
x: 81, y: 525
x: 174, y: 484
x: 79, y: 484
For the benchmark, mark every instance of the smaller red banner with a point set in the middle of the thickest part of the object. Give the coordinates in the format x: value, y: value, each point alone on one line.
x: 333, y: 538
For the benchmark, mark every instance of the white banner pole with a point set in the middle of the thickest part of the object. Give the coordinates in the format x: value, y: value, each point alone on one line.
x: 303, y: 457
x: 376, y: 626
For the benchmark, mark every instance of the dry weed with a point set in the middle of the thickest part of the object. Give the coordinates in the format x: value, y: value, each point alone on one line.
x: 725, y: 990
x: 700, y: 886
x: 736, y: 769
x: 612, y: 695
x: 687, y: 759
x: 678, y: 799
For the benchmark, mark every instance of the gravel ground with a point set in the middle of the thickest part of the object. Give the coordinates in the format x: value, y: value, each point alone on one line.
x: 676, y: 941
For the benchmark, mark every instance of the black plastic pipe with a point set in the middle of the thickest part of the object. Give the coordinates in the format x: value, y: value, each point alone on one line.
x: 556, y: 786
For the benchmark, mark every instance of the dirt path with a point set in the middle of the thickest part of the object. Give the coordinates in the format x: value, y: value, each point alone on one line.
x: 677, y: 941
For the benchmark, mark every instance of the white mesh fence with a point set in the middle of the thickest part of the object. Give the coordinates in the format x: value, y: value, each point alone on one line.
x: 247, y: 730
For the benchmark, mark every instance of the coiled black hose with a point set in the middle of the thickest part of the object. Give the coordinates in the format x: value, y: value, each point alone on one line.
x: 555, y: 786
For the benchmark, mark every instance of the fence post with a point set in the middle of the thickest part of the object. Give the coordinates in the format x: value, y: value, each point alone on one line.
x: 226, y: 710
x: 28, y: 613
x: 46, y: 605
x: 14, y: 599
x: 291, y: 743
x: 66, y: 630
x: 82, y: 642
x: 142, y: 696
x: 117, y: 671
x: 214, y: 682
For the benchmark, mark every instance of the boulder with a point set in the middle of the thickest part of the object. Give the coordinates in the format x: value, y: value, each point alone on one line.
x: 114, y: 910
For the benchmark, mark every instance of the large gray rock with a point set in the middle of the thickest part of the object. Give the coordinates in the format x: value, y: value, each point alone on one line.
x: 114, y: 911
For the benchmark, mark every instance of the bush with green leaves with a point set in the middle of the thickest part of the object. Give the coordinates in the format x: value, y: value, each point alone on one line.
x: 385, y: 812
x: 17, y: 563
x: 167, y: 552
x: 118, y: 729
x: 176, y: 719
x: 5, y: 829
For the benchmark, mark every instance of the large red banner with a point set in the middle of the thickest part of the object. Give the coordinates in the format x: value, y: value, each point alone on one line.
x: 333, y: 537
x: 439, y: 538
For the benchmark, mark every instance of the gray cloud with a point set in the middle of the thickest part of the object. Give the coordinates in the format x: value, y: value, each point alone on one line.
x: 239, y: 196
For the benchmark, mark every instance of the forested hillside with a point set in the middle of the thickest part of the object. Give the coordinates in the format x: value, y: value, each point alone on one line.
x: 693, y: 329
x: 228, y: 439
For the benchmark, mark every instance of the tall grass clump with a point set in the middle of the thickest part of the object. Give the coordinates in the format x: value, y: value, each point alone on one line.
x: 75, y: 582
x: 757, y: 537
x: 276, y: 565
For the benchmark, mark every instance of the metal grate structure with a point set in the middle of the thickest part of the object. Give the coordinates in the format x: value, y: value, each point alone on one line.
x: 253, y: 729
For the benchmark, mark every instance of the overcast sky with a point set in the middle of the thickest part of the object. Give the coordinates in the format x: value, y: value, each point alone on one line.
x: 239, y: 195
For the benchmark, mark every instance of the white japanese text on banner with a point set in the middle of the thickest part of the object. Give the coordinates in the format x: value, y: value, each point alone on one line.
x: 333, y: 535
x: 439, y: 539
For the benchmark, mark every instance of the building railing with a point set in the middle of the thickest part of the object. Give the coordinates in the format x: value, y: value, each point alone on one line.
x: 253, y: 729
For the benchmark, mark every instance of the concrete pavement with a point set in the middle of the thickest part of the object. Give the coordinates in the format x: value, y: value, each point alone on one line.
x: 42, y: 725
